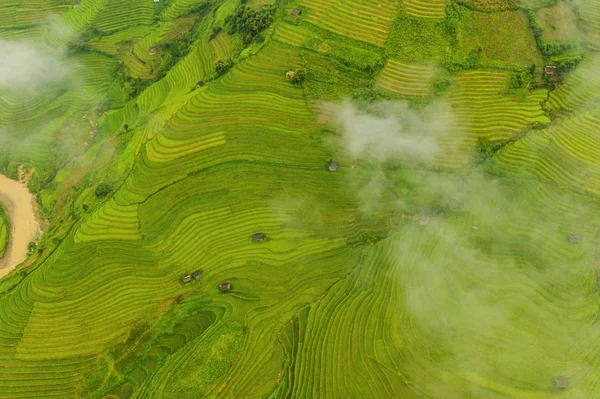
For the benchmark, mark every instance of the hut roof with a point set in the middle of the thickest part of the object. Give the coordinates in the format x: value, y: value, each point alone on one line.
x: 186, y: 278
x: 76, y: 4
x: 197, y: 274
x: 225, y: 287
x: 258, y: 237
x: 200, y: 83
x: 333, y: 165
x: 290, y: 74
x: 561, y: 382
x: 424, y: 221
x: 296, y: 11
x: 551, y: 68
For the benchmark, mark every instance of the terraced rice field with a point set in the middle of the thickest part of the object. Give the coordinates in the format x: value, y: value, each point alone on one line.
x: 564, y: 154
x: 579, y: 91
x: 369, y: 20
x: 384, y: 278
x: 481, y: 109
x: 431, y: 9
x: 221, y: 46
x: 406, y: 79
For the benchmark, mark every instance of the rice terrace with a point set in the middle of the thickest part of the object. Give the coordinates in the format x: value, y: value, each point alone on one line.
x: 300, y: 199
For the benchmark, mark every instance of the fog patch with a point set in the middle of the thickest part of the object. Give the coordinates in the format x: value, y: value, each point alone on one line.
x: 391, y: 130
x: 27, y: 66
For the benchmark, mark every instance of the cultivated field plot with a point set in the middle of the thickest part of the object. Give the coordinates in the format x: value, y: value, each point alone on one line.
x: 368, y: 20
x: 580, y: 89
x: 558, y: 22
x: 481, y: 109
x: 406, y: 79
x: 527, y: 312
x: 502, y: 36
x: 565, y: 154
x: 496, y: 5
x: 434, y: 9
x: 590, y: 13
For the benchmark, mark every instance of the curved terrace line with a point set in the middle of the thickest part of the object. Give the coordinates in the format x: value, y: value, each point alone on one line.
x: 24, y: 226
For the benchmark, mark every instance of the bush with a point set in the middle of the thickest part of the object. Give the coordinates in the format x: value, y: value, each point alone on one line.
x: 102, y: 190
x: 222, y: 66
x: 249, y: 22
x: 299, y: 75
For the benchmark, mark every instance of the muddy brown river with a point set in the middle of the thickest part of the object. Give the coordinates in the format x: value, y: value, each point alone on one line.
x: 24, y: 227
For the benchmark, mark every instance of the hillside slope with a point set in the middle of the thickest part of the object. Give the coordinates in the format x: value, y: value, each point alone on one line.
x: 454, y: 256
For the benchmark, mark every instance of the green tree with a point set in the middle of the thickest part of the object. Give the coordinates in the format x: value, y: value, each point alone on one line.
x: 102, y: 190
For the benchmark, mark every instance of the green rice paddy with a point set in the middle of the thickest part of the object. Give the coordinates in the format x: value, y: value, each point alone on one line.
x: 471, y: 273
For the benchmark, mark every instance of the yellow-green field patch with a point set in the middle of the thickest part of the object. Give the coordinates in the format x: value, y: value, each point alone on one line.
x: 493, y: 4
x: 405, y: 78
x: 502, y: 37
x: 558, y: 22
x: 435, y: 9
x: 368, y: 20
x: 221, y: 46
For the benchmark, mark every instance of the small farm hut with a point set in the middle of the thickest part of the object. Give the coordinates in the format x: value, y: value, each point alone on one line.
x: 574, y: 238
x: 424, y: 221
x: 550, y: 70
x: 296, y: 11
x: 561, y: 382
x: 333, y: 166
x: 289, y: 75
x: 475, y: 227
x: 76, y: 4
x: 224, y: 287
x: 200, y: 83
x: 197, y: 274
x: 187, y: 278
x: 156, y: 1
x: 258, y: 237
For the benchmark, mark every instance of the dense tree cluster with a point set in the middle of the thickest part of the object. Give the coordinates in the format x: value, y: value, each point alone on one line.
x: 249, y: 22
x: 102, y: 190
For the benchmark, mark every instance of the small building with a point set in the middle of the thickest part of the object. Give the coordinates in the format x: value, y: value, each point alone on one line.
x: 197, y: 274
x: 333, y: 166
x: 289, y: 75
x: 224, y: 287
x: 152, y: 50
x: 550, y: 70
x: 561, y: 382
x: 574, y: 238
x: 424, y: 221
x: 186, y: 279
x: 258, y: 237
x: 200, y: 83
x: 296, y: 11
x: 156, y: 1
x: 76, y: 4
x: 475, y: 227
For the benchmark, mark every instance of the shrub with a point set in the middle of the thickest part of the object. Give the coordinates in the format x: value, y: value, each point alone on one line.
x: 222, y: 66
x: 249, y: 22
x: 299, y: 75
x: 102, y: 190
